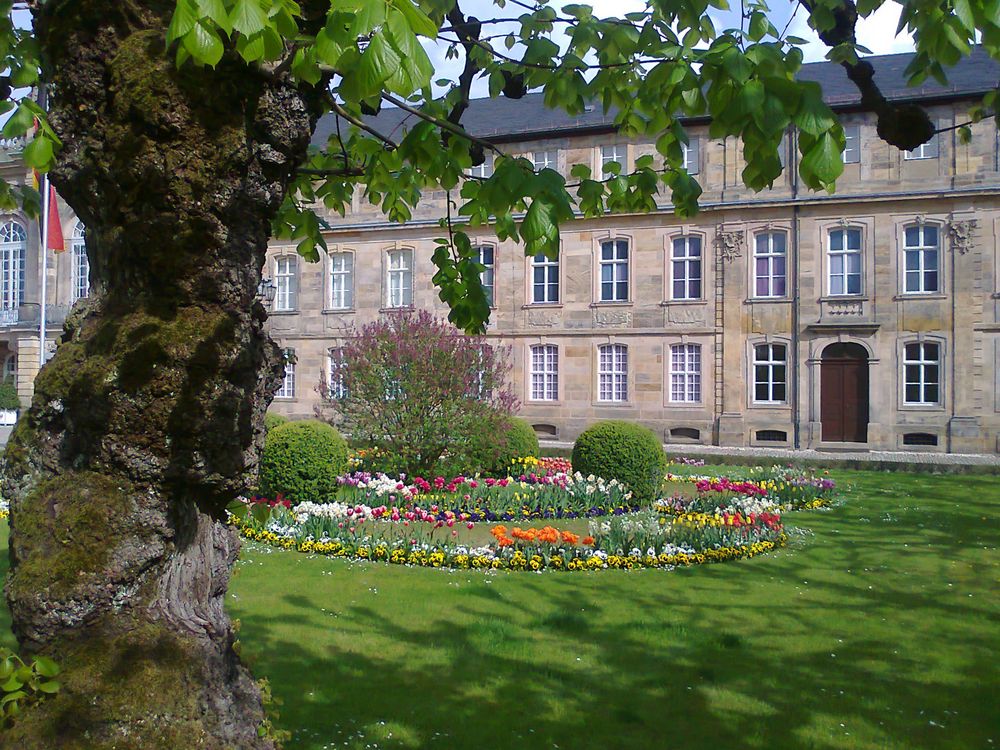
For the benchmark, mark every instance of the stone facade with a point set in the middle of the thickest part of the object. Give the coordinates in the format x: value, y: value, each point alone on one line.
x: 953, y: 403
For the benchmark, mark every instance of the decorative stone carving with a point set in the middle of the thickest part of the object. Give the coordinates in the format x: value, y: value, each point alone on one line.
x: 845, y: 308
x: 685, y: 314
x: 542, y: 319
x: 961, y: 232
x: 612, y: 318
x: 730, y: 244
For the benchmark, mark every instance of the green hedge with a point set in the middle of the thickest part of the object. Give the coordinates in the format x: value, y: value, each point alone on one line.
x: 491, y: 451
x: 628, y: 452
x: 302, y: 461
x: 272, y: 420
x: 8, y: 395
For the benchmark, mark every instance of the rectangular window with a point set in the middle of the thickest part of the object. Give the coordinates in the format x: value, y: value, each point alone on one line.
x: 692, y: 155
x: 769, y: 373
x: 685, y: 268
x: 922, y: 374
x: 685, y: 373
x: 286, y: 283
x: 545, y: 160
x: 920, y: 259
x: 769, y: 265
x: 399, y: 279
x: 612, y: 373
x: 487, y: 276
x: 614, y: 271
x: 483, y: 170
x: 929, y: 150
x: 287, y: 389
x: 81, y: 270
x: 335, y: 364
x: 544, y: 279
x: 614, y: 154
x: 545, y: 373
x: 844, y: 252
x: 341, y: 281
x: 852, y: 145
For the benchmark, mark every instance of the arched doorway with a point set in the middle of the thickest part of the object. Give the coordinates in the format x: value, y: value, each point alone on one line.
x: 844, y: 393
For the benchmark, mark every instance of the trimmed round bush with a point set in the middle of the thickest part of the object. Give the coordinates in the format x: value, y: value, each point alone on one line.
x: 272, y: 420
x: 302, y: 461
x: 628, y: 452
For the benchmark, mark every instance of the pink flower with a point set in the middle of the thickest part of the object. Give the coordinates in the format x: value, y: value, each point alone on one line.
x: 469, y: 525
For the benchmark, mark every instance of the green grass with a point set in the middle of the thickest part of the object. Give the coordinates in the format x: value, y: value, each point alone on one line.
x: 878, y: 627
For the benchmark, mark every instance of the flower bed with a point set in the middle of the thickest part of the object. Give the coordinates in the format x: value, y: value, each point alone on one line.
x: 756, y: 490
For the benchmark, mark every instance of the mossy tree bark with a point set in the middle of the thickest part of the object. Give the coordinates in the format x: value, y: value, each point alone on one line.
x: 148, y: 420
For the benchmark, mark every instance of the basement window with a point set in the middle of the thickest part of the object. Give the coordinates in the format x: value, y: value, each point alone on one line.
x: 919, y: 438
x: 772, y: 436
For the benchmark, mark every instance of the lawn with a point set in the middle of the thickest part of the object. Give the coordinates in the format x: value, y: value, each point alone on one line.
x: 878, y: 627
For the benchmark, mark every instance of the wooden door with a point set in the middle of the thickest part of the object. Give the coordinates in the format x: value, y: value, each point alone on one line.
x: 844, y: 394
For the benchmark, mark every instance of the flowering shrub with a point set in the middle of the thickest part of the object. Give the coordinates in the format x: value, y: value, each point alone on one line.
x: 416, y: 388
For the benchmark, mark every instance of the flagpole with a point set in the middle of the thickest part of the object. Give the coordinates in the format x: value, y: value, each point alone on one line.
x: 44, y: 186
x: 45, y: 261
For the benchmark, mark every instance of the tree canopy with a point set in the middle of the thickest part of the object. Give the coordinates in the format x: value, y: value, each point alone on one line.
x: 652, y: 68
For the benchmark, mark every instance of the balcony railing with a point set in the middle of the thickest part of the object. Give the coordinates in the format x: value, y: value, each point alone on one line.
x: 9, y: 316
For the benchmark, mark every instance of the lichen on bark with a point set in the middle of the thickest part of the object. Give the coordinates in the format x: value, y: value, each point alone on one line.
x: 149, y: 419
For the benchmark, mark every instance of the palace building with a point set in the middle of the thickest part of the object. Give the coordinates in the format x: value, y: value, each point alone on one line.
x: 785, y: 318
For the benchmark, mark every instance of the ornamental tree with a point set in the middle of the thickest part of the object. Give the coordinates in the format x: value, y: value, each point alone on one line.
x: 179, y: 132
x: 415, y: 388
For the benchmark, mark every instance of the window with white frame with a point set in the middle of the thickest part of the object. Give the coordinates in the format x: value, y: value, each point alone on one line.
x: 844, y: 255
x: 483, y: 170
x: 770, y: 378
x: 285, y: 282
x: 922, y: 373
x: 852, y: 144
x: 685, y: 373
x: 692, y: 155
x: 341, y: 281
x: 486, y: 258
x: 81, y: 265
x: 336, y: 387
x: 614, y: 271
x: 545, y: 160
x: 612, y: 373
x: 13, y: 246
x: 685, y: 268
x: 769, y: 264
x: 544, y: 279
x: 545, y: 372
x: 287, y: 389
x: 929, y: 150
x: 615, y: 154
x: 399, y: 278
x: 921, y: 253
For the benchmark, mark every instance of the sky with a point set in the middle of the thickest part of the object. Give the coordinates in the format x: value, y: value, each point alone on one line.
x: 877, y: 33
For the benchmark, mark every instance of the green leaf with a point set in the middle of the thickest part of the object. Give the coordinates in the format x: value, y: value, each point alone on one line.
x: 247, y: 17
x: 204, y: 44
x: 216, y: 11
x: 52, y: 686
x: 183, y: 21
x: 46, y: 667
x: 378, y: 62
x: 20, y: 122
x: 418, y: 20
x: 38, y: 153
x: 823, y: 161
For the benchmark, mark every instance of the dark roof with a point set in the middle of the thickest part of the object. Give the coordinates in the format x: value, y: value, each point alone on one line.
x: 505, y: 119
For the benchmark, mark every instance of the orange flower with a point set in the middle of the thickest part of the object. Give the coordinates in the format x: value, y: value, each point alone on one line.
x: 499, y: 531
x: 570, y: 538
x: 504, y: 541
x: 588, y: 540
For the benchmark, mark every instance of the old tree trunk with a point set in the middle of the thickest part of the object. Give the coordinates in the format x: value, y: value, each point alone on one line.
x: 145, y: 424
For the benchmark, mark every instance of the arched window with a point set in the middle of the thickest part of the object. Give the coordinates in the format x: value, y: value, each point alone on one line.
x: 13, y: 245
x: 81, y: 265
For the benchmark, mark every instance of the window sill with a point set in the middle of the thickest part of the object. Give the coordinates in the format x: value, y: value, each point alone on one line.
x: 339, y: 311
x: 282, y: 312
x: 919, y: 296
x: 613, y: 404
x: 612, y: 303
x: 844, y: 298
x: 284, y: 398
x: 769, y: 405
x: 693, y: 405
x: 531, y: 402
x: 546, y: 305
x: 939, y: 408
x: 672, y: 302
x: 407, y: 308
x: 766, y: 300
